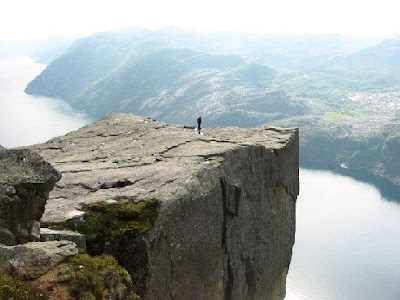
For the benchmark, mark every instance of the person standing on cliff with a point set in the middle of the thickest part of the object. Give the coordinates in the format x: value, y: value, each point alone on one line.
x: 199, y: 119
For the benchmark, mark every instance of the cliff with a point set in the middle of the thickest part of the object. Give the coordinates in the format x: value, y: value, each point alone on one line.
x: 217, y: 210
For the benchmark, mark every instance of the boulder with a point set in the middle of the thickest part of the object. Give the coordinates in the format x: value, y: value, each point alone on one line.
x: 25, y: 182
x: 47, y: 234
x: 31, y: 260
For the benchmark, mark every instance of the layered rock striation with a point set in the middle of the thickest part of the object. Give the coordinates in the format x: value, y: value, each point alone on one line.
x: 226, y: 222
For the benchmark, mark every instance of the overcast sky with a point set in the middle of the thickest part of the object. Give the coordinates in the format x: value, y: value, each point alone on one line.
x: 29, y: 19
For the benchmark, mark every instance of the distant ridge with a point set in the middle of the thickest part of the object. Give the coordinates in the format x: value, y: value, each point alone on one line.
x: 343, y: 92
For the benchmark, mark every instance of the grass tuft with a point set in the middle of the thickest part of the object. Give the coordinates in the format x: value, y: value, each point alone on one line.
x: 98, y: 277
x: 13, y: 289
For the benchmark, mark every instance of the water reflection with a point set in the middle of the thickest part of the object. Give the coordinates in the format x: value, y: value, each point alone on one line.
x: 25, y: 119
x: 387, y: 189
x: 347, y: 240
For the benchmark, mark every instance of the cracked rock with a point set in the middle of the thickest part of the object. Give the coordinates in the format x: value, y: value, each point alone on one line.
x: 228, y: 200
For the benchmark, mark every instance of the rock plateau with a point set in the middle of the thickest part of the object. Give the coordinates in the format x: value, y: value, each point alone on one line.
x: 226, y: 223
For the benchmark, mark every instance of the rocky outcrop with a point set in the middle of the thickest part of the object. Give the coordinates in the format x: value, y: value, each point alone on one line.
x: 226, y: 224
x: 25, y: 182
x: 47, y: 235
x: 31, y: 260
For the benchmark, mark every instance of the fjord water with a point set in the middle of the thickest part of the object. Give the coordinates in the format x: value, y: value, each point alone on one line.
x: 348, y: 234
x: 26, y: 119
x: 347, y: 240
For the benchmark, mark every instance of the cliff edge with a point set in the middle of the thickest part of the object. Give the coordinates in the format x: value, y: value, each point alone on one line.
x: 226, y: 221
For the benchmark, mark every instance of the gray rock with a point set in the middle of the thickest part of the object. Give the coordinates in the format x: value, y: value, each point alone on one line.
x: 47, y: 234
x: 25, y: 182
x: 30, y: 260
x: 227, y: 222
x: 7, y: 237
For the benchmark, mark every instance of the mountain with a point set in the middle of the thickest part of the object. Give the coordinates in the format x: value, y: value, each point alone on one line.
x: 371, y: 68
x: 174, y: 84
x: 386, y: 53
x: 343, y: 92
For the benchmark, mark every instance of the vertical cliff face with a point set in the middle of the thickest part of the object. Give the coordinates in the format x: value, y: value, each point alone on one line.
x: 226, y: 224
x: 231, y: 235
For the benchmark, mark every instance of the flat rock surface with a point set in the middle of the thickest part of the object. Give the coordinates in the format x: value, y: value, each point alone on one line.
x: 47, y: 234
x: 33, y: 259
x: 21, y: 166
x: 123, y: 156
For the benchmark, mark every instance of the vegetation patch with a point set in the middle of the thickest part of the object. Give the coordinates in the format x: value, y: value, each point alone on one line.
x: 344, y: 115
x: 97, y: 278
x: 13, y: 289
x: 358, y: 153
x: 111, y: 223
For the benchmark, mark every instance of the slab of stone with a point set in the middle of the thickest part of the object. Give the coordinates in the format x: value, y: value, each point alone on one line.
x: 31, y: 260
x: 47, y: 235
x: 128, y: 157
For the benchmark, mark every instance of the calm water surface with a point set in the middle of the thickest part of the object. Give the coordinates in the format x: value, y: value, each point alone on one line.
x: 347, y: 240
x: 348, y: 235
x: 25, y: 119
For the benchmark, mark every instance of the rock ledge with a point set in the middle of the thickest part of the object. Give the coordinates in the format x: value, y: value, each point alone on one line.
x: 227, y: 220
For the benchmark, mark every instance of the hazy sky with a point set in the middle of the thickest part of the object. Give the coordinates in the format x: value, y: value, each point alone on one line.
x: 27, y: 19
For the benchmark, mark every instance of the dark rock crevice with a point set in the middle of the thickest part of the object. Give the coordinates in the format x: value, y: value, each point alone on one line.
x: 229, y: 283
x: 224, y: 208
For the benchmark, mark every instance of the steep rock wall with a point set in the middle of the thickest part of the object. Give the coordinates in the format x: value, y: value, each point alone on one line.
x: 231, y: 236
x: 227, y: 220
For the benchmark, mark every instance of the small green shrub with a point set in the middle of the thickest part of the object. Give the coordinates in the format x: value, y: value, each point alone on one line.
x: 93, y: 278
x: 112, y: 222
x: 13, y: 289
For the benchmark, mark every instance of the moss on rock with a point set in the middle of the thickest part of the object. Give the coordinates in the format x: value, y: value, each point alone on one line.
x: 97, y: 278
x: 108, y: 224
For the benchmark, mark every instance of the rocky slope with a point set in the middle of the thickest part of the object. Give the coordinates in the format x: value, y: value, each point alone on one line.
x: 226, y: 224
